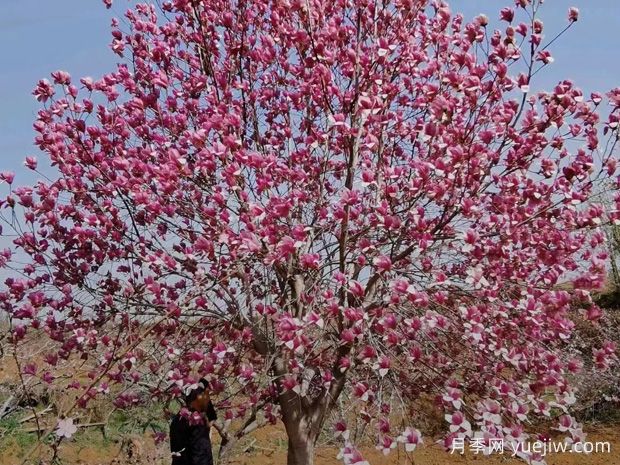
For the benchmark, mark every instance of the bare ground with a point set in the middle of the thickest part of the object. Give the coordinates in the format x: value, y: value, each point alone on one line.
x: 268, y: 446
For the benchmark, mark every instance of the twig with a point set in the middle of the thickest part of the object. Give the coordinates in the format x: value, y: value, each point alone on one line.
x: 34, y: 415
x: 266, y: 449
x: 85, y: 425
x: 7, y: 407
x: 249, y: 446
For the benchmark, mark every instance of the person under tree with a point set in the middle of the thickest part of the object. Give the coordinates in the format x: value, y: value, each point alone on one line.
x: 190, y: 441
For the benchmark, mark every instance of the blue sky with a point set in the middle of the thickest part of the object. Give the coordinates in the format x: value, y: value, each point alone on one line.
x: 41, y: 36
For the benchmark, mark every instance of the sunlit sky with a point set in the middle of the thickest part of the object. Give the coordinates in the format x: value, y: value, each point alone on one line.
x: 41, y: 36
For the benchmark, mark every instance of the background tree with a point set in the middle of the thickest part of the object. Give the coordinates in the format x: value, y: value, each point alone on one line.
x: 612, y: 232
x: 300, y: 199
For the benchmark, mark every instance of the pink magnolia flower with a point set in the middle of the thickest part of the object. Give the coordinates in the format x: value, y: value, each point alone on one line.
x: 545, y: 57
x: 315, y: 318
x: 7, y: 176
x: 491, y: 411
x: 249, y: 242
x: 514, y: 434
x: 362, y: 391
x: 30, y: 369
x: 573, y: 14
x: 520, y: 410
x: 367, y: 354
x: 482, y: 20
x: 344, y: 364
x: 287, y: 247
x: 347, y: 336
x: 356, y: 288
x: 351, y: 456
x: 594, y: 313
x: 507, y: 14
x: 310, y: 261
x: 196, y: 418
x: 565, y: 423
x: 61, y: 77
x: 596, y: 97
x: 44, y: 91
x: 458, y: 423
x: 453, y: 397
x: 383, y: 366
x: 475, y: 277
x: 386, y: 444
x: 159, y: 437
x: 66, y: 428
x: 290, y: 384
x: 342, y: 430
x: 605, y: 356
x: 411, y: 438
x: 383, y: 263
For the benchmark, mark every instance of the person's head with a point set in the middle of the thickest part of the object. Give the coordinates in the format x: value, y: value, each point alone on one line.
x: 198, y: 398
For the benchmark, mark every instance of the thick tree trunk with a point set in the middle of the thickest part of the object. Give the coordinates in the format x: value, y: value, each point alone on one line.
x: 304, y: 417
x: 300, y: 451
x: 302, y: 429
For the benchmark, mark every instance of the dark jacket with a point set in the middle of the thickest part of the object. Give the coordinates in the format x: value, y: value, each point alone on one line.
x: 191, y: 444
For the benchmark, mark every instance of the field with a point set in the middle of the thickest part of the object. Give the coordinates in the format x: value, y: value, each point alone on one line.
x: 108, y: 436
x: 126, y: 438
x: 268, y: 446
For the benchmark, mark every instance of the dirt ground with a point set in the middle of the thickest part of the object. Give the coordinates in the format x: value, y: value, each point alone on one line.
x: 268, y: 446
x: 433, y: 454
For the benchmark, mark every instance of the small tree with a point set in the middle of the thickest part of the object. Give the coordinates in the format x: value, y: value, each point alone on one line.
x: 612, y: 233
x: 300, y: 199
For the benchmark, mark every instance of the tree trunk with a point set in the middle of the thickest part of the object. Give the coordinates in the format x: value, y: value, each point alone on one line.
x: 304, y: 417
x: 614, y: 242
x: 302, y: 430
x: 300, y: 451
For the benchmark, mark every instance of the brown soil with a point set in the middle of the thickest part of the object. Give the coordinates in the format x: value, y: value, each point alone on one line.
x: 433, y: 454
x: 268, y: 447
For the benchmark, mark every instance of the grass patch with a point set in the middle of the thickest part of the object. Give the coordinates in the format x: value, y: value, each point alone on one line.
x: 13, y: 437
x: 121, y: 425
x: 140, y: 420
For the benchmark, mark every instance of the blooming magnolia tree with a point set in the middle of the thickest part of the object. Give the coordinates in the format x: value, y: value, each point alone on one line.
x: 327, y: 208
